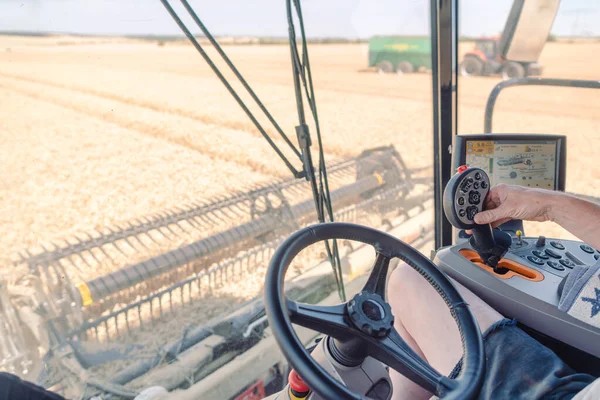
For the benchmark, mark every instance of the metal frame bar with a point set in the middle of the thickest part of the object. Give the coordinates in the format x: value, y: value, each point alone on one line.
x: 444, y: 43
x: 491, y: 103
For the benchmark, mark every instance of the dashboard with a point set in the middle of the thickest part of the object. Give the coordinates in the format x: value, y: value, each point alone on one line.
x: 537, y: 161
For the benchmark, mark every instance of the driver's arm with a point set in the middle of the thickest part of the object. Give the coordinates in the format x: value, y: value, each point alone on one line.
x: 578, y: 216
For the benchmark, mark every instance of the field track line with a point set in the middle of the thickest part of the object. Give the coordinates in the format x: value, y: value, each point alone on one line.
x: 205, y: 119
x: 411, y: 94
x: 146, y: 130
x: 538, y: 109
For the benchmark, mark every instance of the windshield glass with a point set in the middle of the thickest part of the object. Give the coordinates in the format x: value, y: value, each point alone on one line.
x: 541, y: 109
x: 141, y: 206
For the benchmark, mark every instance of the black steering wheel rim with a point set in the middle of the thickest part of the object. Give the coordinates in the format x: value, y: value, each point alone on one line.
x: 466, y: 386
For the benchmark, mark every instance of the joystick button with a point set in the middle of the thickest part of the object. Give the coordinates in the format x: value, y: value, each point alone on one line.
x: 596, y: 257
x: 587, y: 249
x: 462, y: 212
x: 557, y: 245
x: 477, y: 176
x: 466, y: 185
x: 471, y: 211
x: 474, y: 197
x: 484, y: 185
x: 461, y: 201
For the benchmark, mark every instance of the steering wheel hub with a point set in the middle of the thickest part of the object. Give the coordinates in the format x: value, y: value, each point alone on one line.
x: 371, y: 314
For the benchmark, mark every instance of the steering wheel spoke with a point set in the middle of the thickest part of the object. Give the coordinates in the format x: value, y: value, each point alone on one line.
x: 377, y: 281
x: 330, y: 320
x: 393, y: 351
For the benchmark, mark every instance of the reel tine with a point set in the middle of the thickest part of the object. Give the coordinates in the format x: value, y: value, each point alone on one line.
x: 137, y: 236
x: 73, y: 264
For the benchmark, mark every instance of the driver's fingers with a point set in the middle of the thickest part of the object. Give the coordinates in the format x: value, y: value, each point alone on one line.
x: 495, y: 224
x: 493, y: 215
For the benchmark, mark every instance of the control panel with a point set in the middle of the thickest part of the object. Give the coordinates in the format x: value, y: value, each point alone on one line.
x: 553, y: 256
x: 518, y: 276
x: 529, y: 291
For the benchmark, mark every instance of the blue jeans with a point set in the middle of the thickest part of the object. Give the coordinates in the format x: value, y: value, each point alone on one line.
x: 519, y: 367
x: 13, y: 388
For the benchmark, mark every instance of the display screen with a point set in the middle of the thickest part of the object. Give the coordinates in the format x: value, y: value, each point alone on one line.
x: 531, y: 163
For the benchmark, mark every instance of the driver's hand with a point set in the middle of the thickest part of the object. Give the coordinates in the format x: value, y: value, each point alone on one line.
x: 506, y: 202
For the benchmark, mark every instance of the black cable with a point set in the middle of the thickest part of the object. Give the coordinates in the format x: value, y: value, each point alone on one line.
x: 217, y: 47
x: 302, y: 74
x: 200, y: 50
x: 322, y: 168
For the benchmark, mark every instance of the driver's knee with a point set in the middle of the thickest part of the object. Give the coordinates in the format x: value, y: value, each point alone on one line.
x: 426, y: 317
x: 422, y: 313
x: 410, y: 293
x: 403, y: 285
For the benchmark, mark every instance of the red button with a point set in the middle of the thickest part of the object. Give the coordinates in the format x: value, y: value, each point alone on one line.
x: 462, y: 168
x: 296, y: 383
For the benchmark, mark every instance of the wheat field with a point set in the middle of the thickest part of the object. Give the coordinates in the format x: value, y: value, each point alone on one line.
x: 99, y: 132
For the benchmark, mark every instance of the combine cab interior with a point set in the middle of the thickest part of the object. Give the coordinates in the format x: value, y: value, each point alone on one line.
x: 277, y: 288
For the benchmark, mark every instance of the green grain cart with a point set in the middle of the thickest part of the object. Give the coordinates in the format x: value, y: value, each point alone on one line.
x: 401, y: 54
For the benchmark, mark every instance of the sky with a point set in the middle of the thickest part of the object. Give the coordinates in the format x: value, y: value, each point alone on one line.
x: 323, y: 18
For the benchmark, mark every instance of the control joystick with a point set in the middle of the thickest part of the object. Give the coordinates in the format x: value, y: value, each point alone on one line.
x: 464, y: 196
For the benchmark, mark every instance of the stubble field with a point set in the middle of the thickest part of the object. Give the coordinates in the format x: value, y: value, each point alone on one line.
x: 99, y: 133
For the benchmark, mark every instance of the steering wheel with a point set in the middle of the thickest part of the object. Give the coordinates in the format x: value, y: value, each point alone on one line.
x: 366, y: 319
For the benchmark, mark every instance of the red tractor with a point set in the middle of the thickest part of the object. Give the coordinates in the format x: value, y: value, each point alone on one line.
x: 485, y: 59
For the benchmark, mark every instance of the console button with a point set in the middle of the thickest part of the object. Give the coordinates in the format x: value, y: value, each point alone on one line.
x: 474, y: 197
x: 552, y: 253
x: 484, y: 185
x: 555, y: 265
x: 541, y: 241
x: 557, y: 245
x: 471, y: 211
x: 567, y: 263
x: 539, y: 254
x: 461, y: 201
x: 535, y: 260
x: 587, y: 249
